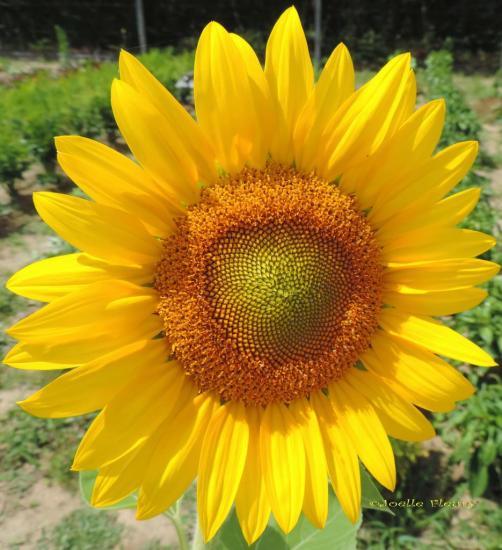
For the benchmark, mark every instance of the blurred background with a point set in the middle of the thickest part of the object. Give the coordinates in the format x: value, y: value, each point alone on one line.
x: 57, y: 60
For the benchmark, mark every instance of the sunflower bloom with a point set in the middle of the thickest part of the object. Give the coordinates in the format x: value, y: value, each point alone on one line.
x: 253, y: 301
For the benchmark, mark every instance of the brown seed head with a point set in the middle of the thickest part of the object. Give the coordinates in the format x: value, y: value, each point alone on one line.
x: 271, y: 286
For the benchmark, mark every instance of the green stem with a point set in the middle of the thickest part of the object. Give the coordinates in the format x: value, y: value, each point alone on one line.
x: 176, y: 521
x: 197, y: 541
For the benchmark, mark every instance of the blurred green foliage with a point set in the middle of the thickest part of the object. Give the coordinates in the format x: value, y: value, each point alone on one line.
x: 480, y: 422
x: 41, y: 107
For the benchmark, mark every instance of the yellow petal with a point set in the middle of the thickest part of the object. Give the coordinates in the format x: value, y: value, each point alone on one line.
x: 436, y: 243
x: 226, y: 103
x: 416, y: 374
x: 92, y: 386
x: 175, y: 459
x: 120, y: 478
x: 251, y: 502
x: 427, y: 183
x: 222, y: 460
x: 445, y: 302
x: 113, y: 179
x: 156, y: 144
x: 359, y: 419
x: 433, y: 335
x: 134, y: 73
x: 290, y: 74
x: 52, y: 278
x: 315, y: 504
x: 384, y: 173
x: 252, y: 63
x: 407, y: 105
x: 438, y: 275
x: 283, y: 458
x: 100, y: 230
x: 448, y: 212
x: 334, y: 86
x: 56, y: 353
x: 103, y: 308
x: 134, y: 413
x: 399, y: 418
x: 259, y: 87
x: 342, y: 462
x: 353, y: 135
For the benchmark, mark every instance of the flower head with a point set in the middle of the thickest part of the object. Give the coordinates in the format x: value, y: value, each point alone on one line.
x: 253, y: 304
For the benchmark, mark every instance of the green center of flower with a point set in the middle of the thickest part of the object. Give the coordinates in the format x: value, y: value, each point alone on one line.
x: 277, y: 290
x: 271, y: 286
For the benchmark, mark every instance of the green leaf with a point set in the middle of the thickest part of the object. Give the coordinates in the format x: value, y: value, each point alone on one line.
x: 499, y: 343
x: 487, y: 334
x: 86, y: 483
x: 371, y: 497
x: 478, y: 481
x: 338, y: 533
x: 229, y: 537
x: 487, y: 452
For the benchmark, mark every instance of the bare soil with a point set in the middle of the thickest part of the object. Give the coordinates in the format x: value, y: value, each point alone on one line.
x: 44, y: 506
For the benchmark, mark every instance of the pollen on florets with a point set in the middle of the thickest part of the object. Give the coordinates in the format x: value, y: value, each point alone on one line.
x: 270, y: 287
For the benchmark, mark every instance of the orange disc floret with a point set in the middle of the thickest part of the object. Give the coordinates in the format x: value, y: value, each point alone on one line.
x: 270, y: 287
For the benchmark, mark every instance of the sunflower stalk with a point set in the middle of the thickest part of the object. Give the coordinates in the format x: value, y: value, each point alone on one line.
x: 197, y: 541
x: 174, y: 514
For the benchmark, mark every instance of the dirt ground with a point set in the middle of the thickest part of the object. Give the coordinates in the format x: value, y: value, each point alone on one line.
x: 45, y: 505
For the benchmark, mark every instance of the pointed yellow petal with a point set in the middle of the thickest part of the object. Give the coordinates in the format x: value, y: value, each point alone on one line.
x: 315, y: 504
x: 100, y: 230
x: 222, y: 460
x: 407, y: 105
x: 372, y: 117
x: 428, y: 183
x: 103, y: 307
x: 117, y: 172
x: 416, y: 374
x: 156, y: 144
x: 334, y: 86
x: 134, y: 413
x: 52, y: 278
x: 448, y: 212
x: 399, y: 418
x: 436, y: 243
x: 175, y: 459
x: 120, y: 478
x: 415, y: 140
x: 343, y: 465
x: 251, y: 502
x: 359, y: 419
x: 384, y: 172
x: 101, y: 176
x: 92, y: 386
x: 226, y: 105
x: 290, y: 74
x: 134, y: 73
x: 445, y: 302
x: 433, y: 335
x: 283, y: 458
x: 252, y: 65
x: 438, y: 275
x: 56, y: 353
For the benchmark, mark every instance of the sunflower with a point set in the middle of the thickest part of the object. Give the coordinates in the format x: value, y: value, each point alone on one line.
x: 253, y: 304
